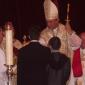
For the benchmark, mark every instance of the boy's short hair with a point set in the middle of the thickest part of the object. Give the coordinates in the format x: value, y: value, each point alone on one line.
x: 34, y: 33
x: 55, y: 43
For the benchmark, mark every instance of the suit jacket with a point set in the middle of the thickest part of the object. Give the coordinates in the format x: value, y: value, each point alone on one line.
x: 32, y: 62
x: 59, y: 72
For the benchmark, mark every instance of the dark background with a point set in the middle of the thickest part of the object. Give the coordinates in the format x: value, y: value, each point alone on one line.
x: 25, y: 13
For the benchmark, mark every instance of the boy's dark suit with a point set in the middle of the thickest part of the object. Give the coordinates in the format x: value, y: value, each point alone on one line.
x: 59, y: 72
x: 32, y: 62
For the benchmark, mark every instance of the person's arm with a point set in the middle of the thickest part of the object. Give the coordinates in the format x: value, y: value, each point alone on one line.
x: 42, y: 41
x: 74, y: 41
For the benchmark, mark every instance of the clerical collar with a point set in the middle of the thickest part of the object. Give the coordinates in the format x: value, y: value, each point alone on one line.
x: 34, y: 41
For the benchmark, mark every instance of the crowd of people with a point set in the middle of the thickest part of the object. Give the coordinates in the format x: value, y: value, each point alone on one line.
x: 53, y: 56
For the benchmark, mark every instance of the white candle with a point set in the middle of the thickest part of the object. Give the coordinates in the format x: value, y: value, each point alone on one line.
x: 9, y: 46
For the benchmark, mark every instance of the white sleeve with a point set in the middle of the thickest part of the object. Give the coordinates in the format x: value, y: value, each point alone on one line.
x: 75, y: 41
x: 42, y: 41
x: 2, y: 61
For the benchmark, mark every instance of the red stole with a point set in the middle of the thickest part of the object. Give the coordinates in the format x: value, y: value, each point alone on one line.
x: 76, y: 64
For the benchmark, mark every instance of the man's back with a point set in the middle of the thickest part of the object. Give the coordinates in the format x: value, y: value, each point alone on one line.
x: 32, y: 63
x: 59, y: 72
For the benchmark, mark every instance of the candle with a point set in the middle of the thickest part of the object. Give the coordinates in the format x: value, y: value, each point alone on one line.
x: 9, y: 44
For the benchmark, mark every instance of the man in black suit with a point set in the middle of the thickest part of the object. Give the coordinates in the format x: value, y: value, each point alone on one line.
x: 32, y: 61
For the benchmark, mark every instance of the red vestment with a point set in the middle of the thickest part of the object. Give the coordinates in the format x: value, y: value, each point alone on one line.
x: 76, y: 64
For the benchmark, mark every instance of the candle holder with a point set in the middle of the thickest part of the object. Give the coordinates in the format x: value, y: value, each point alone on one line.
x: 9, y: 73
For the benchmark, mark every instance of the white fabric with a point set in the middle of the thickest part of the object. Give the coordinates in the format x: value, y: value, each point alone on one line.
x: 72, y: 80
x: 3, y: 76
x: 74, y: 41
x: 16, y: 44
x: 82, y: 52
x: 68, y: 42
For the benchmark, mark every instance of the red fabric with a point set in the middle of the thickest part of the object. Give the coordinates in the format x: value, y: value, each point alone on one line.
x: 76, y: 64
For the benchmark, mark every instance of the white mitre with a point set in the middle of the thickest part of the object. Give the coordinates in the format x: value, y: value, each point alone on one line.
x: 50, y: 9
